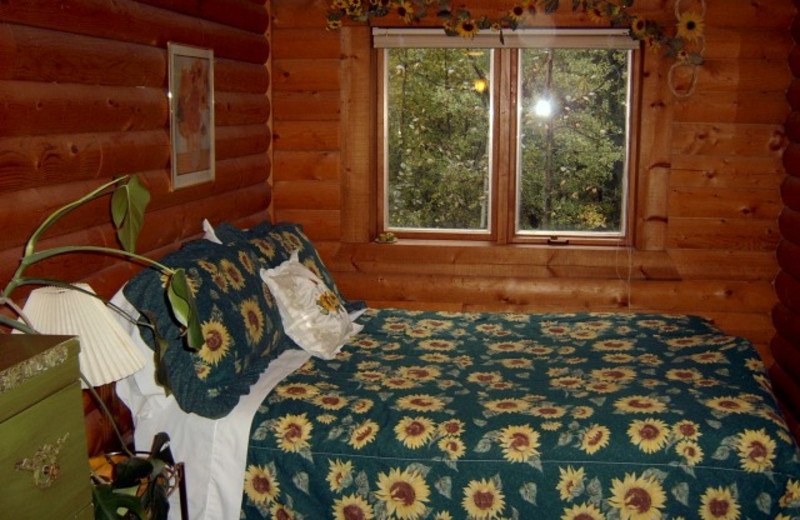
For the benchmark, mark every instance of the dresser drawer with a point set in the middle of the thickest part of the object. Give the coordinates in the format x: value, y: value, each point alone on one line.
x: 49, y: 434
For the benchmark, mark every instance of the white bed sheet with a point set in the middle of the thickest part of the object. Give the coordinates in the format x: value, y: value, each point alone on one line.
x: 214, y: 451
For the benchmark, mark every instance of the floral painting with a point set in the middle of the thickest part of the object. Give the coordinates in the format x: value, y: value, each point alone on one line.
x: 191, y: 90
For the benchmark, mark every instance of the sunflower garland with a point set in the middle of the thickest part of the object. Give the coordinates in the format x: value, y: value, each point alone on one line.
x: 685, y: 44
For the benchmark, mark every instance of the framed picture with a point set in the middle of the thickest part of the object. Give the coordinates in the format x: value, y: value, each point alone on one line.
x: 191, y: 100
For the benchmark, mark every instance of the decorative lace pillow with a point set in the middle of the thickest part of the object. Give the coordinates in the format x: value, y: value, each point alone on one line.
x: 312, y: 314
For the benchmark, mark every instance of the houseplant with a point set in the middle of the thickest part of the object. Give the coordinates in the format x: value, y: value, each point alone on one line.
x: 139, y: 483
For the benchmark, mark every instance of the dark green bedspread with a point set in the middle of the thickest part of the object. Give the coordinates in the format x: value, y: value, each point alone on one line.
x: 544, y: 416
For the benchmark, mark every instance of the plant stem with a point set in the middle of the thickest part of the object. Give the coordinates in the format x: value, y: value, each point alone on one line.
x: 110, y: 417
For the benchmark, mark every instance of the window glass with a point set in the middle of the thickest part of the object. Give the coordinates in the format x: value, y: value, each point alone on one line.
x: 572, y: 146
x: 438, y: 139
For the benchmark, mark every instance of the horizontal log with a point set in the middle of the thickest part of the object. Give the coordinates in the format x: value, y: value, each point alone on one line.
x: 732, y: 171
x: 305, y: 42
x: 299, y: 195
x: 789, y: 224
x: 239, y: 76
x: 32, y: 108
x: 722, y: 233
x: 790, y: 192
x: 307, y: 105
x: 238, y: 141
x: 793, y: 94
x: 50, y: 56
x: 724, y: 203
x: 27, y: 208
x: 242, y: 14
x: 237, y: 108
x: 787, y: 322
x: 789, y: 258
x: 787, y: 288
x: 744, y: 13
x: 29, y: 162
x: 730, y: 75
x: 759, y: 43
x: 163, y: 228
x: 568, y: 295
x: 731, y: 107
x: 129, y: 20
x: 727, y: 139
x: 792, y: 126
x: 319, y: 224
x: 302, y: 135
x: 714, y: 264
x: 302, y: 74
x: 787, y: 354
x: 306, y: 165
x: 791, y: 159
x: 788, y: 392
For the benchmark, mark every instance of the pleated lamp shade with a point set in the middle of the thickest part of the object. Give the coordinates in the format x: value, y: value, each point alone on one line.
x: 107, y: 352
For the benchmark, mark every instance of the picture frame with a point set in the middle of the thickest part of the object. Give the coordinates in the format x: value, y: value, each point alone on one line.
x: 191, y: 103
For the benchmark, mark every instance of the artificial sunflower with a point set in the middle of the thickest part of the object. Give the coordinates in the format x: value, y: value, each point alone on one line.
x: 691, y: 452
x: 253, y: 319
x: 352, y: 506
x: 414, y: 432
x: 691, y: 26
x: 686, y: 429
x: 281, y: 511
x: 260, y: 485
x: 420, y: 403
x: 296, y: 391
x: 439, y: 345
x: 582, y: 412
x: 718, y: 504
x: 404, y: 493
x: 570, y: 483
x: 330, y: 401
x: 791, y: 498
x: 613, y: 345
x: 619, y: 375
x: 637, y: 498
x: 595, y: 438
x: 340, y: 474
x: 453, y: 447
x: 640, y: 404
x: 362, y: 405
x: 246, y: 262
x: 509, y: 405
x: 729, y: 405
x: 363, y: 434
x: 756, y: 450
x: 649, y: 435
x: 232, y: 273
x: 583, y: 511
x: 293, y: 432
x: 519, y: 443
x: 483, y: 500
x: 419, y: 373
x: 516, y: 363
x: 484, y: 377
x: 453, y: 427
x: 217, y: 342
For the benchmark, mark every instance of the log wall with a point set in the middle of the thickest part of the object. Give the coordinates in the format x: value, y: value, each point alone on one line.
x: 83, y: 99
x: 709, y: 175
x: 785, y: 344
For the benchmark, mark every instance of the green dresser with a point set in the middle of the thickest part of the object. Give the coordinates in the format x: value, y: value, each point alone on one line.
x: 43, y: 461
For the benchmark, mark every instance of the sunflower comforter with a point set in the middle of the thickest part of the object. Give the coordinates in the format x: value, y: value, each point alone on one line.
x: 501, y: 416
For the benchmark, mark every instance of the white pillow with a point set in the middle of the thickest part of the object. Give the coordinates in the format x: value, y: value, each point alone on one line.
x: 209, y: 233
x: 311, y: 313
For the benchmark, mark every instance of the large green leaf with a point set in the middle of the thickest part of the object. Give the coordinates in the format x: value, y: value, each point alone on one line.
x: 128, y: 205
x: 184, y: 308
x: 131, y: 471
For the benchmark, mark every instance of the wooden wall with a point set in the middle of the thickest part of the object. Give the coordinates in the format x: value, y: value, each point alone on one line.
x: 786, y: 314
x: 709, y: 173
x: 83, y: 99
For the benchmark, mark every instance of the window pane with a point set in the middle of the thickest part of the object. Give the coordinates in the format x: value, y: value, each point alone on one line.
x: 573, y: 141
x: 438, y: 123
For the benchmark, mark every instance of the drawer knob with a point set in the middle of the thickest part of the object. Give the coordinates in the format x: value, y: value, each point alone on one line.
x: 44, y: 463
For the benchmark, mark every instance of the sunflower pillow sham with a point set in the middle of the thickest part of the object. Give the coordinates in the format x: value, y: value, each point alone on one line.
x: 239, y: 318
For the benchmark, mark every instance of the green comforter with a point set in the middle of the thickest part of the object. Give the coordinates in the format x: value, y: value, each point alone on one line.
x: 501, y: 416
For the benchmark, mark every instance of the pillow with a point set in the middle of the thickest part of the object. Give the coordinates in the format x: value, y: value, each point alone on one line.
x: 239, y: 318
x: 312, y: 315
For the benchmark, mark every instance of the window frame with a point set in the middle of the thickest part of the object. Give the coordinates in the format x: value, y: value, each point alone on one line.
x: 505, y: 120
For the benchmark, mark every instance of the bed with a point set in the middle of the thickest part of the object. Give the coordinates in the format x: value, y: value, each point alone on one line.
x: 446, y: 415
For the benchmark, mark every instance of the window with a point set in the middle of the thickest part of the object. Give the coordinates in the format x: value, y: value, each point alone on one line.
x: 527, y: 141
